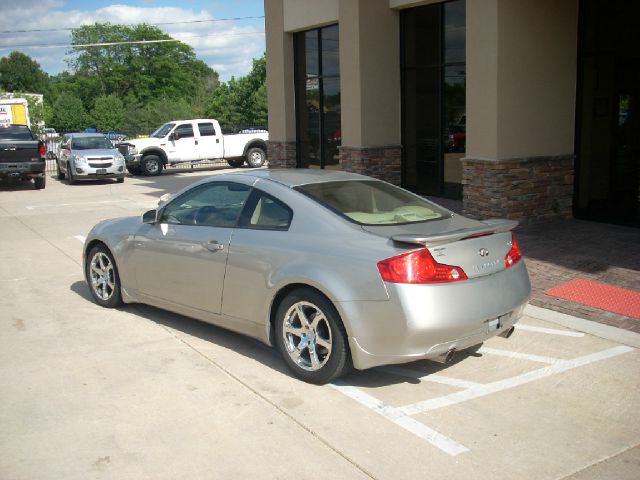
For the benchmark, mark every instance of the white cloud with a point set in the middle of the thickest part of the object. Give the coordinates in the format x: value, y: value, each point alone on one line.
x: 226, y: 46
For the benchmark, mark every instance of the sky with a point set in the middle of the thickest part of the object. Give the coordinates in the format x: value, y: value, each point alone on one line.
x: 227, y: 46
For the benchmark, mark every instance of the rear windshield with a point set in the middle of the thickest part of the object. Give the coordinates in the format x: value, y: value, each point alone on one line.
x: 16, y: 132
x: 91, y: 143
x: 370, y: 202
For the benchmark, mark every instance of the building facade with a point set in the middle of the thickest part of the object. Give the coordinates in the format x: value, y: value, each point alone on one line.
x: 525, y: 109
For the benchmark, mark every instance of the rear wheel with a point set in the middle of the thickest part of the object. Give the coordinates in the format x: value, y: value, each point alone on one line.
x: 40, y: 182
x: 102, y: 277
x: 311, y: 337
x: 256, y: 157
x: 151, y: 165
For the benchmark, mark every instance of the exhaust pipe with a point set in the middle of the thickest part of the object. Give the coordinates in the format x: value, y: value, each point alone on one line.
x: 445, y: 357
x: 507, y: 333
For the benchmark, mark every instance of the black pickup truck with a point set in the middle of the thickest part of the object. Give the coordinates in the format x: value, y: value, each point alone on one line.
x: 22, y: 156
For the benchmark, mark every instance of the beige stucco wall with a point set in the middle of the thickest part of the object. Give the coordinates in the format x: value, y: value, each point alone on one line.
x: 307, y: 14
x: 521, y: 78
x: 369, y: 73
x: 280, y: 91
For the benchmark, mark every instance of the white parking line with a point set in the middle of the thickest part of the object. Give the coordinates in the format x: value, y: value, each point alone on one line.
x: 500, y: 385
x: 81, y: 238
x: 551, y: 331
x: 520, y: 356
x: 402, y: 420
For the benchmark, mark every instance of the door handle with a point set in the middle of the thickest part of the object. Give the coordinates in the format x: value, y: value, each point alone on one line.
x: 196, y: 142
x: 213, y: 245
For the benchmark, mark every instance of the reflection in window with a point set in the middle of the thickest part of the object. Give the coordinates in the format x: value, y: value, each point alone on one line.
x: 317, y: 78
x: 434, y: 105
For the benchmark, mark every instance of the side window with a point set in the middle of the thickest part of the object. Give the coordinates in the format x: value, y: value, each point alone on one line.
x: 265, y: 212
x: 184, y: 131
x: 206, y: 130
x: 212, y: 205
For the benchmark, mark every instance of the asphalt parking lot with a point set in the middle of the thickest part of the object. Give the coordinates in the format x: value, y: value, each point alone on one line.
x: 142, y: 393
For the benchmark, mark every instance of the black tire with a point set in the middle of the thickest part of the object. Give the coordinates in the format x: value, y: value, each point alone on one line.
x: 331, y: 359
x: 134, y: 170
x: 40, y: 182
x: 151, y: 165
x: 235, y: 162
x: 70, y: 178
x: 256, y: 157
x: 60, y: 174
x: 120, y: 180
x: 101, y: 274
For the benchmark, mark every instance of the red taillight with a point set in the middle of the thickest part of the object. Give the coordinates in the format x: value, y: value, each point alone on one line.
x: 418, y: 267
x: 514, y: 254
x: 43, y: 150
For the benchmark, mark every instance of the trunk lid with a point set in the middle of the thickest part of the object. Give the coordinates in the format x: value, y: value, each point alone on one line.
x: 479, y: 248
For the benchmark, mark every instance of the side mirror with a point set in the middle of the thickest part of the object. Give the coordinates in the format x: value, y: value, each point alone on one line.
x: 149, y: 216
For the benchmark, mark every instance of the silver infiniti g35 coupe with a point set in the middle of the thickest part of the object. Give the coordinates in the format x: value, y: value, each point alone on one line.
x: 335, y: 269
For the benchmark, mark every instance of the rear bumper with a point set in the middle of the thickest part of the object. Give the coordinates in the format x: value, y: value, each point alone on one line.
x: 425, y: 321
x: 21, y: 169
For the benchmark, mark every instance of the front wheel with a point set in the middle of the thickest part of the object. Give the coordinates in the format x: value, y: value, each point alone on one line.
x: 151, y: 165
x: 70, y: 178
x: 256, y: 157
x: 60, y: 174
x: 311, y: 337
x: 102, y: 277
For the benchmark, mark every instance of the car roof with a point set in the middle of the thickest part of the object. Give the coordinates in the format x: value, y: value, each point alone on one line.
x: 294, y: 177
x: 85, y: 134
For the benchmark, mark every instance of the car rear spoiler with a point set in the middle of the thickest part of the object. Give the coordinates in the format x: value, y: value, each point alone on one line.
x: 489, y: 228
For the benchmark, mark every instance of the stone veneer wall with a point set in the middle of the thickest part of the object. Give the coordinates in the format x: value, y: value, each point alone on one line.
x: 383, y: 163
x: 528, y: 189
x: 281, y: 154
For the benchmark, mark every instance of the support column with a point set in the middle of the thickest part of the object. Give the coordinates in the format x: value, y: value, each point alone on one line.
x: 521, y: 82
x: 282, y: 130
x: 370, y: 89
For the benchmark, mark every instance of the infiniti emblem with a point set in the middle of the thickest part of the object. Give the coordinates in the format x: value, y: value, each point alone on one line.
x: 483, y: 252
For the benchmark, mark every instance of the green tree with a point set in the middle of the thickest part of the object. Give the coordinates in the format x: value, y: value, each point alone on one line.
x: 146, y: 117
x: 242, y: 102
x: 19, y: 72
x: 147, y: 71
x: 69, y: 113
x: 108, y: 113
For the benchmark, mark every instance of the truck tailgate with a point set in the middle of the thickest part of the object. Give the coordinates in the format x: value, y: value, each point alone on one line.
x: 12, y: 151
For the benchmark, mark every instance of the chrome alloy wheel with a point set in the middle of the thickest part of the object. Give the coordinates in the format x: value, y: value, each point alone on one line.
x: 151, y: 165
x: 307, y: 336
x: 103, y: 277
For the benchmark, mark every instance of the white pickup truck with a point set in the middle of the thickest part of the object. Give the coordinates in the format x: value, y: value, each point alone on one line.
x: 182, y: 141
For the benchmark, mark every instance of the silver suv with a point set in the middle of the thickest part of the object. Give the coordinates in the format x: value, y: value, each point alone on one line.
x: 89, y: 156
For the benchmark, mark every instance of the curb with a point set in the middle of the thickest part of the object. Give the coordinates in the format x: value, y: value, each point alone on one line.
x: 607, y: 332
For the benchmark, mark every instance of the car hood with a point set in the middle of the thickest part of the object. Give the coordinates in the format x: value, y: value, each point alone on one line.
x: 98, y: 152
x: 116, y: 226
x: 141, y: 143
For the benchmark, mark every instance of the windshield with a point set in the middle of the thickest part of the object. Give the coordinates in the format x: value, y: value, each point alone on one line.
x: 370, y: 202
x: 163, y: 131
x: 15, y: 132
x: 91, y: 143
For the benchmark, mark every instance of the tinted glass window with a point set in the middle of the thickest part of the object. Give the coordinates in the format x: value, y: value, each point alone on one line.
x: 91, y: 143
x: 163, y: 131
x: 185, y: 130
x: 15, y: 132
x: 214, y: 205
x: 265, y: 212
x: 369, y: 202
x: 206, y: 129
